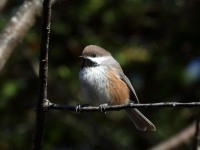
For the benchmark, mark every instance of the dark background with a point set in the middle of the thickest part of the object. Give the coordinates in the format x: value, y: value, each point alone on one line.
x: 157, y: 44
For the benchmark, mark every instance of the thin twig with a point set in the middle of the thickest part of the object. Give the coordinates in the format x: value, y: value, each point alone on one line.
x: 119, y: 107
x: 43, y: 74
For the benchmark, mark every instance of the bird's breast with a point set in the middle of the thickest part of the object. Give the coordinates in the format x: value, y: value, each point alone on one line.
x: 94, y: 84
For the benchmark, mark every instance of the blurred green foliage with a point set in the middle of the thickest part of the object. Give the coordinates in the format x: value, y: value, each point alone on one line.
x: 157, y: 44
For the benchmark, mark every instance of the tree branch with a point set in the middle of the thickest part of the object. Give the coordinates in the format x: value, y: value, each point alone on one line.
x: 197, y: 135
x: 17, y: 27
x: 119, y: 107
x: 43, y: 74
x: 19, y: 24
x: 177, y: 139
x: 3, y: 4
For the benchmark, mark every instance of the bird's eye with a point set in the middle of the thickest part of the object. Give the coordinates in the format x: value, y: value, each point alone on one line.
x: 94, y: 55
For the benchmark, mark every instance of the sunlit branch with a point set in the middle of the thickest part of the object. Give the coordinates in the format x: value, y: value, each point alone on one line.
x: 3, y: 4
x: 17, y: 27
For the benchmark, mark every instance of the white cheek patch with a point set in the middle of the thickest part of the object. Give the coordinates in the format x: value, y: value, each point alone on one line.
x: 98, y: 60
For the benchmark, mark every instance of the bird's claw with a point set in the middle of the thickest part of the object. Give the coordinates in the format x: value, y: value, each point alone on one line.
x: 78, y: 109
x: 103, y: 108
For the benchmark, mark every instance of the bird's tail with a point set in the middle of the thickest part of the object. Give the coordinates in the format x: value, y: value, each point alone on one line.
x: 140, y: 121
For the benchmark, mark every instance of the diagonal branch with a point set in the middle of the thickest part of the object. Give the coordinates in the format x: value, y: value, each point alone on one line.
x: 197, y: 134
x: 16, y: 29
x: 3, y: 4
x: 177, y: 140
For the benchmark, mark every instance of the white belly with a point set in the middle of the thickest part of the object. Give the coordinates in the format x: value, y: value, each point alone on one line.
x: 94, y: 84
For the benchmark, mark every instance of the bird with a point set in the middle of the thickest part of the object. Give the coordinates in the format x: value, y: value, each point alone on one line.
x: 103, y: 82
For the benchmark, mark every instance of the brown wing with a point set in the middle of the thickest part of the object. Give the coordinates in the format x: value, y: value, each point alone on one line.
x: 133, y: 95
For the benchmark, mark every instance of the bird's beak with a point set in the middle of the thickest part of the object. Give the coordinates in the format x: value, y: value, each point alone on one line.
x: 82, y: 57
